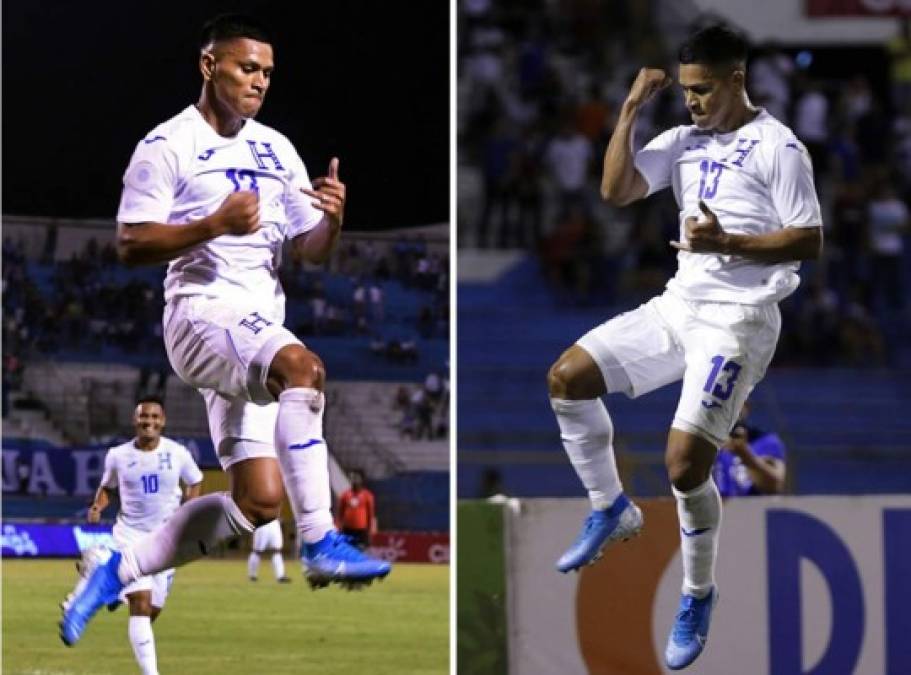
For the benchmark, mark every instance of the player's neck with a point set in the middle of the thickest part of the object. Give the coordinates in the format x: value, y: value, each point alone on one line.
x: 223, y: 121
x: 740, y: 115
x: 146, y: 444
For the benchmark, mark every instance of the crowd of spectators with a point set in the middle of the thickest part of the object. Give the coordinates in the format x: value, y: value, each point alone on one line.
x: 424, y: 408
x: 539, y: 88
x: 90, y: 302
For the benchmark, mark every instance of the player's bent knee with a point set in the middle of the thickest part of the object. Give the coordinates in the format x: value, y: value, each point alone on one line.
x: 684, y: 472
x: 260, y: 512
x: 140, y: 604
x: 297, y: 366
x: 574, y: 376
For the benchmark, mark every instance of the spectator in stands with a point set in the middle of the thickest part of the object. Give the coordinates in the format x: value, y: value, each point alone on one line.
x: 377, y: 308
x: 752, y: 462
x: 423, y: 411
x: 811, y: 121
x: 888, y: 221
x: 568, y: 157
x: 357, y: 511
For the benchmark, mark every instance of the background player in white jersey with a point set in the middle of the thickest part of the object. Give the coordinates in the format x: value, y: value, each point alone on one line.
x: 748, y: 213
x: 216, y: 194
x: 268, y: 539
x: 146, y: 472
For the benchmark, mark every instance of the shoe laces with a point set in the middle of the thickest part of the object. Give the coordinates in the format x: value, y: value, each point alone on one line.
x: 686, y: 621
x: 340, y: 548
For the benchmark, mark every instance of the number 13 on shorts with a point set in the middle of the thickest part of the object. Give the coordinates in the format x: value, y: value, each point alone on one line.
x: 722, y: 387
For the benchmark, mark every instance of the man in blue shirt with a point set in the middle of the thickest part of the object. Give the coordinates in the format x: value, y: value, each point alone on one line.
x: 752, y: 462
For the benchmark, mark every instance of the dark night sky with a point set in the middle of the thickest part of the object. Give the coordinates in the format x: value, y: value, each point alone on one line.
x: 364, y: 80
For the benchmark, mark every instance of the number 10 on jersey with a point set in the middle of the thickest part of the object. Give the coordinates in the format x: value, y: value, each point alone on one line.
x: 150, y: 483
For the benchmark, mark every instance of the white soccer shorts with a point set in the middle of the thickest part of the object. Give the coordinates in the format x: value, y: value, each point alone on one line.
x: 720, y: 350
x: 224, y: 350
x: 159, y: 584
x: 268, y: 537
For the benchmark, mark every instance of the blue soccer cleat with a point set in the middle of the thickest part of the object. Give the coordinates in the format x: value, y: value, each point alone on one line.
x: 619, y: 522
x: 98, y: 587
x: 334, y: 560
x: 690, y: 630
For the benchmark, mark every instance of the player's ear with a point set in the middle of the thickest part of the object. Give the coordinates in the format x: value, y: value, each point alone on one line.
x: 207, y: 65
x: 738, y: 78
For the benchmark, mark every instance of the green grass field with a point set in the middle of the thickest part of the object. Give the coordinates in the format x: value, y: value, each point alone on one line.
x: 216, y: 621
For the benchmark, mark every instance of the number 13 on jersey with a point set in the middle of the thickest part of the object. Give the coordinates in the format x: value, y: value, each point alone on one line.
x: 708, y: 182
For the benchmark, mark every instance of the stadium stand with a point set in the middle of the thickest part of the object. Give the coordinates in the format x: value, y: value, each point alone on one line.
x: 543, y: 259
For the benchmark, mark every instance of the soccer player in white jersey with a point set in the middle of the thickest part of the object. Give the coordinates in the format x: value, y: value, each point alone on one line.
x: 748, y: 214
x: 268, y: 539
x: 146, y: 472
x: 216, y: 194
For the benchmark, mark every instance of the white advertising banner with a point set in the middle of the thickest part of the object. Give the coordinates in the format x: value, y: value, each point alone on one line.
x: 808, y: 586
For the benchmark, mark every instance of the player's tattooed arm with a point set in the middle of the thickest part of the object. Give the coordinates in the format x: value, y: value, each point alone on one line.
x: 155, y: 243
x: 785, y: 245
x: 329, y: 194
x: 621, y: 183
x: 99, y: 504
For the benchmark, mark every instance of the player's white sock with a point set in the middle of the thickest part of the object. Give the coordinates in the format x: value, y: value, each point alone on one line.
x: 303, y: 456
x: 278, y: 565
x: 588, y: 435
x: 143, y: 640
x: 699, y: 512
x: 252, y: 564
x: 194, y: 530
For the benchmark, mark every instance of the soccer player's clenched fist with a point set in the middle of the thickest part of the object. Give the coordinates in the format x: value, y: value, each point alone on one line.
x: 239, y: 213
x: 648, y: 82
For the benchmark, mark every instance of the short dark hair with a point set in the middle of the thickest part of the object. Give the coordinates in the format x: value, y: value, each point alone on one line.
x: 150, y: 399
x: 228, y: 26
x: 716, y: 45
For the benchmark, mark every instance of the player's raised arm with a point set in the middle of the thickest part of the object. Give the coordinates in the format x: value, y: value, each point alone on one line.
x: 621, y: 182
x: 329, y: 194
x: 154, y: 243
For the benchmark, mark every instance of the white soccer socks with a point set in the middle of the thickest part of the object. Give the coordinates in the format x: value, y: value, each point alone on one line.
x: 278, y: 565
x: 699, y: 512
x: 194, y: 530
x: 253, y: 564
x: 303, y: 456
x: 588, y: 436
x: 143, y: 641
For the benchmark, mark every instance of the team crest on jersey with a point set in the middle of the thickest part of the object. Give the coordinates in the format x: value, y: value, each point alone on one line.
x: 164, y: 461
x: 261, y: 155
x: 744, y: 147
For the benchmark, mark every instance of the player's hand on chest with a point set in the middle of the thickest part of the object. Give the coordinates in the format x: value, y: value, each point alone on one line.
x: 245, y: 165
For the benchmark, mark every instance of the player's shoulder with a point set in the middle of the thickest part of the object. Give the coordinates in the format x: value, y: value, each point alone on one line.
x: 774, y: 133
x: 172, y: 130
x: 122, y: 448
x: 681, y: 135
x: 172, y: 445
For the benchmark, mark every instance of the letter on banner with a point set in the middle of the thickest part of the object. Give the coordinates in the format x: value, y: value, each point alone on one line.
x: 790, y: 537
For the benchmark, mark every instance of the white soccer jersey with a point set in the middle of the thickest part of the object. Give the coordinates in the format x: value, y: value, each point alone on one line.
x: 183, y: 170
x: 756, y: 179
x: 148, y: 481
